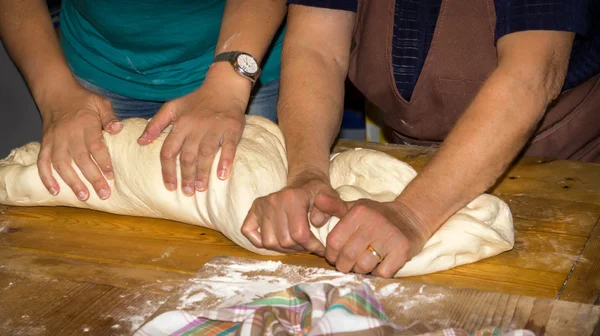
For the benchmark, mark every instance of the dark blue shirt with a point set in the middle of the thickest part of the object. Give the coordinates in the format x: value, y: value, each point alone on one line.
x: 415, y: 21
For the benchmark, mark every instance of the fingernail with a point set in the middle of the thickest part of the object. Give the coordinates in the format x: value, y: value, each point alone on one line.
x: 143, y: 137
x: 110, y: 175
x: 170, y: 186
x: 81, y: 195
x: 188, y: 190
x: 103, y: 193
x: 199, y: 185
x: 53, y: 191
x: 116, y: 125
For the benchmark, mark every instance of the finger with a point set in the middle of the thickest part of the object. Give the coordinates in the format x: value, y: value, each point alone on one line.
x: 330, y: 205
x: 341, y: 233
x: 392, y: 262
x: 269, y: 237
x: 353, y: 249
x: 282, y: 232
x: 168, y: 159
x: 44, y: 165
x: 299, y: 229
x: 61, y: 161
x: 109, y: 120
x: 89, y: 169
x: 163, y: 118
x: 188, y: 162
x: 366, y: 263
x: 228, y: 148
x: 208, y: 149
x: 97, y: 147
x: 318, y: 218
x: 250, y: 228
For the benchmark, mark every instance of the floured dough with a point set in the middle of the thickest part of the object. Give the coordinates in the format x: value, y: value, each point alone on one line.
x: 480, y: 230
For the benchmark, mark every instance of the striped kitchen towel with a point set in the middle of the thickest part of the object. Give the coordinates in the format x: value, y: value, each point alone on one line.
x: 305, y: 309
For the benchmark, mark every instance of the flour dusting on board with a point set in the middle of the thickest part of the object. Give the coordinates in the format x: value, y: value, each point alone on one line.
x: 238, y: 283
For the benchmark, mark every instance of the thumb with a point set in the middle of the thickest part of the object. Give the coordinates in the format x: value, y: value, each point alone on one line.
x: 157, y: 124
x: 110, y: 122
x: 331, y: 205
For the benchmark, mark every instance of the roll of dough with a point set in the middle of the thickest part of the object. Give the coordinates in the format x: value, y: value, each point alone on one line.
x: 482, y: 229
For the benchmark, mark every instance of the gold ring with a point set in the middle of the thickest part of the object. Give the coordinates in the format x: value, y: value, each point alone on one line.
x: 375, y: 253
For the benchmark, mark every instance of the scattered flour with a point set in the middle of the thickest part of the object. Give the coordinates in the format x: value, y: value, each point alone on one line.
x: 136, y: 321
x: 165, y: 254
x: 237, y: 287
x: 261, y: 266
x: 390, y: 289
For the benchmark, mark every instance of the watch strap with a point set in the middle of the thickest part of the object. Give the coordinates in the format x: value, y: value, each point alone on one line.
x: 226, y: 56
x: 231, y: 57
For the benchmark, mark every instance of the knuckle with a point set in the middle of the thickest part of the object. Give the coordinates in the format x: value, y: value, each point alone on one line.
x: 43, y: 158
x: 333, y: 243
x: 60, y: 166
x: 270, y: 243
x: 245, y: 229
x: 81, y: 156
x: 98, y: 182
x: 188, y: 159
x: 97, y: 146
x: 234, y: 126
x: 299, y: 235
x: 207, y: 150
x: 106, y: 102
x: 349, y: 254
x: 167, y: 154
x: 386, y: 273
x: 362, y: 267
x: 287, y: 243
x: 361, y: 209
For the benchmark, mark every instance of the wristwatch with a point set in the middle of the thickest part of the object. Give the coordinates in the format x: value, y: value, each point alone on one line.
x: 243, y: 63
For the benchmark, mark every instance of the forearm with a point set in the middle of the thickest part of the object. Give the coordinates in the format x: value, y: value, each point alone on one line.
x: 310, y: 108
x: 247, y: 26
x: 314, y: 66
x: 27, y: 32
x: 532, y: 67
x: 478, y: 150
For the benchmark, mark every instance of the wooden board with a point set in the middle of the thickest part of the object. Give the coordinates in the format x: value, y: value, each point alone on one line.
x: 556, y: 207
x: 36, y: 305
x: 421, y: 308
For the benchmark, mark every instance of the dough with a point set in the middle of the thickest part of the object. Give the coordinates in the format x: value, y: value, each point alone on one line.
x: 480, y: 230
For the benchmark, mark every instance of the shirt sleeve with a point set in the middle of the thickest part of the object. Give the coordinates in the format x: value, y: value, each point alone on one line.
x: 563, y: 15
x: 347, y: 5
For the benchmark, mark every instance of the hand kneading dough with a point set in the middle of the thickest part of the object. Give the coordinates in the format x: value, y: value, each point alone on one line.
x: 480, y: 230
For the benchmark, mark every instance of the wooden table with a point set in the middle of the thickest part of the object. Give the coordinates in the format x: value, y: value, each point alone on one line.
x: 71, y: 271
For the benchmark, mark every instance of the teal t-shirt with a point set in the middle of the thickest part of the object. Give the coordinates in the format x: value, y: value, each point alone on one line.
x: 147, y: 49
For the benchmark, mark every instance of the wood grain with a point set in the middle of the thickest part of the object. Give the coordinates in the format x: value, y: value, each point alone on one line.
x: 36, y: 305
x: 583, y: 284
x: 76, y: 268
x: 536, y: 266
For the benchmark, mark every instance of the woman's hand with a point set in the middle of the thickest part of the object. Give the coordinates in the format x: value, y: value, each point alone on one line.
x: 73, y: 120
x: 279, y: 221
x: 390, y: 229
x: 204, y: 120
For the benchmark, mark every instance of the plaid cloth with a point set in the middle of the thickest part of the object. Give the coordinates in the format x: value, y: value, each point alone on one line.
x: 305, y: 309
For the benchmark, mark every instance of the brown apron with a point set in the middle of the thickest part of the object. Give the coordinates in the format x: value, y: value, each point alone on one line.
x: 461, y: 57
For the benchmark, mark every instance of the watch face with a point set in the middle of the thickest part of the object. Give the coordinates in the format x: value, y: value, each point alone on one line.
x: 247, y: 63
